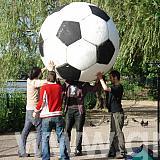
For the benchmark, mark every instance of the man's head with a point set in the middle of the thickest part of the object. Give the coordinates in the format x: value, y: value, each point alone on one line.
x: 114, y: 76
x: 34, y: 73
x: 51, y: 76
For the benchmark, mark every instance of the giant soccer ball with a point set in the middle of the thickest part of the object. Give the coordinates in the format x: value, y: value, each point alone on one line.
x: 81, y: 39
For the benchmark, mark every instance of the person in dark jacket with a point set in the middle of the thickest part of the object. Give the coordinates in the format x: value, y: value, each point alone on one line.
x: 74, y: 109
x: 117, y: 141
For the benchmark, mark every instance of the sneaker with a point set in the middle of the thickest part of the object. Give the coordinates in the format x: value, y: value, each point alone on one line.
x: 78, y: 153
x: 24, y: 155
x: 120, y: 156
x: 38, y: 156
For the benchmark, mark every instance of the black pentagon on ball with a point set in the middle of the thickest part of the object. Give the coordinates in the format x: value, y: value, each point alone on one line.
x: 100, y: 13
x: 69, y: 32
x: 41, y: 45
x: 68, y: 72
x: 105, y: 52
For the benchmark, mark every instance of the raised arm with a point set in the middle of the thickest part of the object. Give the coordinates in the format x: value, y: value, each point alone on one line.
x: 51, y: 66
x: 103, y: 83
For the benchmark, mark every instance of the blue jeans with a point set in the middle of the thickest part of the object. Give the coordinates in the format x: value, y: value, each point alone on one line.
x: 56, y: 123
x: 29, y: 122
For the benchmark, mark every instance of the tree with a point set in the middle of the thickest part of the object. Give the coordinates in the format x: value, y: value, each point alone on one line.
x: 138, y: 23
x: 20, y: 23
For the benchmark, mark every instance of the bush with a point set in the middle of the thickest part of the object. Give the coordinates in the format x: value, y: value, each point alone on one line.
x: 135, y: 89
x: 90, y: 100
x: 12, y: 111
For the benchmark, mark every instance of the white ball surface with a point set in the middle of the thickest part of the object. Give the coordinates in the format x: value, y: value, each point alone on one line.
x: 81, y: 39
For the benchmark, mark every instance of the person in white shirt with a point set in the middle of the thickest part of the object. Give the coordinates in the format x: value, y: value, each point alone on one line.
x: 33, y: 86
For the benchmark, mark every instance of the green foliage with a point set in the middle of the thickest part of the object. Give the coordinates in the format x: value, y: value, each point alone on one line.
x: 90, y: 100
x: 20, y: 23
x: 12, y: 111
x: 139, y: 89
x: 131, y: 89
x: 138, y: 23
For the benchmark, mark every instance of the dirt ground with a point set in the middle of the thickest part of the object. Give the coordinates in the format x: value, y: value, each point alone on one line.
x: 96, y: 134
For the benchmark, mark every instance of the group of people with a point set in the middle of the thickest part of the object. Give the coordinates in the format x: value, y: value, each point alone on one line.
x: 44, y: 111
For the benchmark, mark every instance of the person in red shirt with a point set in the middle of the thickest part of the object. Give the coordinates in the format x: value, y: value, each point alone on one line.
x: 49, y: 108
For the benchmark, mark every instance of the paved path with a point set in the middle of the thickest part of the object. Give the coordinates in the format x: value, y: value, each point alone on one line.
x: 95, y: 139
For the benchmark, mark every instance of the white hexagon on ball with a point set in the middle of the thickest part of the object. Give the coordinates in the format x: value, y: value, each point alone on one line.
x: 96, y: 34
x: 77, y: 14
x: 84, y: 60
x: 55, y: 50
x: 50, y: 26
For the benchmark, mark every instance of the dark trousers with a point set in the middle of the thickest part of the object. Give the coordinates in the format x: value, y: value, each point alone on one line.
x: 117, y: 141
x: 74, y: 117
